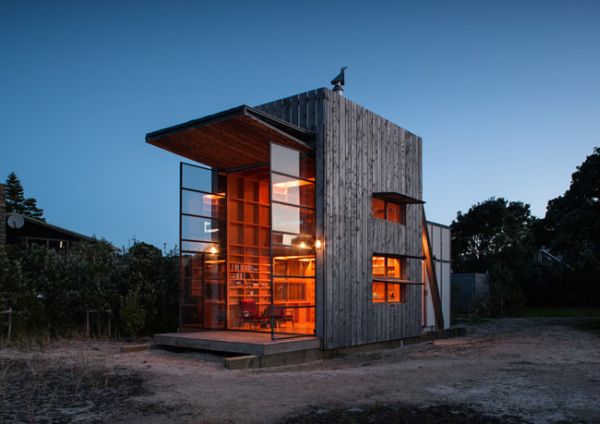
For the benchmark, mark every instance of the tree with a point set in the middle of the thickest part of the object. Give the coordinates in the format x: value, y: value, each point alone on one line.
x: 571, y: 230
x: 32, y: 210
x: 16, y: 201
x: 571, y: 227
x: 15, y: 198
x: 491, y: 231
x: 494, y: 236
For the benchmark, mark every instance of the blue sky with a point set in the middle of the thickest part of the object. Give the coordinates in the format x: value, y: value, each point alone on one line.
x: 505, y: 94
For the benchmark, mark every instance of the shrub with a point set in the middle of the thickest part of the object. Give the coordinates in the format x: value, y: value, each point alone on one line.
x: 52, y: 292
x: 133, y: 315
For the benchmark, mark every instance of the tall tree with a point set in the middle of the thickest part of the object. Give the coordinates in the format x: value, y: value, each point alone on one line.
x: 15, y: 198
x: 32, y: 210
x: 571, y: 227
x: 16, y: 201
x: 494, y: 237
x: 491, y: 231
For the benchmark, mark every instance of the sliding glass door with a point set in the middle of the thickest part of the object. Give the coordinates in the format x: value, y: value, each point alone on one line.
x: 293, y: 240
x: 247, y: 241
x: 202, y: 248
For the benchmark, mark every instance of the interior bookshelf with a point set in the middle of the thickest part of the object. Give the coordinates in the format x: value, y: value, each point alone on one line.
x: 248, y: 244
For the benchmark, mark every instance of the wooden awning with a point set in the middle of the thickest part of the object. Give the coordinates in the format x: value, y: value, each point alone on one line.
x: 234, y: 138
x: 398, y: 198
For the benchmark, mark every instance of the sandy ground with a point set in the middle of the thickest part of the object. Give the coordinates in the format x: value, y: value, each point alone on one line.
x: 538, y: 370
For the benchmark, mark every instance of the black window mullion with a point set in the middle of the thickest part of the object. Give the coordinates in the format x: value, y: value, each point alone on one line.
x: 222, y: 196
x: 293, y: 205
x: 294, y: 177
x: 193, y: 215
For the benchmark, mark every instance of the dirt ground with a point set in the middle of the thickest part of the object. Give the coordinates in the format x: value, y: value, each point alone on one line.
x: 505, y: 371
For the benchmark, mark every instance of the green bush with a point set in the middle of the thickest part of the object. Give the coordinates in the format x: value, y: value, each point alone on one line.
x: 51, y: 292
x: 133, y: 315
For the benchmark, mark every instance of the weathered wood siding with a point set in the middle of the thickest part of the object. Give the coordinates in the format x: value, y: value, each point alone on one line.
x: 359, y: 153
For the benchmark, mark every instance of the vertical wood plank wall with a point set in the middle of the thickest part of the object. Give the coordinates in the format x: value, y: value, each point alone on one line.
x: 359, y: 153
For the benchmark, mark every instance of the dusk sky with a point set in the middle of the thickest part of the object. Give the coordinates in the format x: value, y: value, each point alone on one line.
x: 505, y: 94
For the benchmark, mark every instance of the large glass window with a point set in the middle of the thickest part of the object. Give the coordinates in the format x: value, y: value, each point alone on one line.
x: 202, y: 179
x: 294, y: 221
x: 197, y: 228
x: 202, y: 246
x: 204, y: 204
x: 291, y: 162
x: 293, y: 190
x: 293, y: 239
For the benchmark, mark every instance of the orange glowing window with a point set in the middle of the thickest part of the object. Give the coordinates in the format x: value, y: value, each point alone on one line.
x: 379, y: 292
x: 394, y: 293
x: 388, y: 279
x: 378, y: 207
x: 388, y: 210
x: 394, y: 213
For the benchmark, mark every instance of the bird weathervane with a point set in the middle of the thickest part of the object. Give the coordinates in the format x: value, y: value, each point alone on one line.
x: 339, y: 81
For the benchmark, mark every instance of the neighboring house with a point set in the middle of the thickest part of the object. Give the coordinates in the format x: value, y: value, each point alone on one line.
x: 16, y: 228
x: 309, y: 221
x: 544, y: 257
x: 35, y: 232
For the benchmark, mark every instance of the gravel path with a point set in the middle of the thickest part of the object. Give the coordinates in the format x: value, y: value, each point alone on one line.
x: 504, y: 371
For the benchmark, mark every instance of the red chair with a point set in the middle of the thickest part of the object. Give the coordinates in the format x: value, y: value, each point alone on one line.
x: 280, y: 315
x: 249, y: 313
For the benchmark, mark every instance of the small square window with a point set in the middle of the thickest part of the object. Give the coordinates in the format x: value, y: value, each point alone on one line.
x: 378, y: 208
x: 388, y: 285
x: 389, y: 210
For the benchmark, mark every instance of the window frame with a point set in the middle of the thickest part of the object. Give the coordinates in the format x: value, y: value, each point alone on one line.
x: 399, y: 282
x: 386, y: 201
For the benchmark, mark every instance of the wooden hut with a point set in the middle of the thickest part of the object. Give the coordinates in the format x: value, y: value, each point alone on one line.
x: 303, y: 216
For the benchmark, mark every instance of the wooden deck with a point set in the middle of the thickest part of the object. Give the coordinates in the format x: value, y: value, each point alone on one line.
x: 243, y: 342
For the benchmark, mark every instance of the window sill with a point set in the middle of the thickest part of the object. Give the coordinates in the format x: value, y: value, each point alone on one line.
x: 396, y: 281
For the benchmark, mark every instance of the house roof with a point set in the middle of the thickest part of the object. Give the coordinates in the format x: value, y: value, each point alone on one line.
x: 56, y: 228
x: 233, y: 138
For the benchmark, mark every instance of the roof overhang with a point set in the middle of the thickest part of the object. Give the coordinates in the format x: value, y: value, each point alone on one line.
x: 398, y: 198
x: 234, y: 138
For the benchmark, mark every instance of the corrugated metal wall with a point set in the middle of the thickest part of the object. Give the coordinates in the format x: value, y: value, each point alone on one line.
x: 439, y: 237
